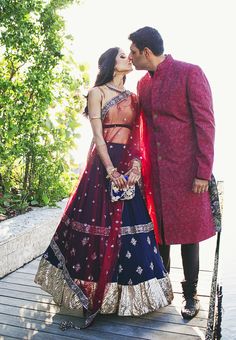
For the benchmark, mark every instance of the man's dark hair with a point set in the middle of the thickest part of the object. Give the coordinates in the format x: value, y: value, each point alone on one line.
x: 148, y: 37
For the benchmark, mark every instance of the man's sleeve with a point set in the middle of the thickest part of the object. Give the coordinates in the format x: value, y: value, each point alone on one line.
x: 200, y: 100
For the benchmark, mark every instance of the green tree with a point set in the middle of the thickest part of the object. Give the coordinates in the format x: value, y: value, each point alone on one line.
x: 38, y: 105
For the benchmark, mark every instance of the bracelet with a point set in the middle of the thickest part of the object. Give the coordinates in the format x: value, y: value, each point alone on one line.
x: 136, y: 170
x: 111, y: 172
x: 136, y: 164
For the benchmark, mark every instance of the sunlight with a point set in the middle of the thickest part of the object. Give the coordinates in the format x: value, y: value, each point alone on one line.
x: 199, y: 332
x: 191, y: 32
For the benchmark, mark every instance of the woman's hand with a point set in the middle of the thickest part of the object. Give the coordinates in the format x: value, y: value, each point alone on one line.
x: 117, y: 178
x: 134, y: 175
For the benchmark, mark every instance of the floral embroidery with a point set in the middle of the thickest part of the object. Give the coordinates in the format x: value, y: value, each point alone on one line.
x: 85, y: 241
x: 151, y: 265
x: 139, y: 270
x: 105, y: 231
x: 72, y: 252
x: 77, y: 267
x: 94, y: 256
x: 128, y: 254
x: 155, y: 250
x: 148, y: 240
x: 133, y: 241
x: 120, y: 269
x: 113, y: 102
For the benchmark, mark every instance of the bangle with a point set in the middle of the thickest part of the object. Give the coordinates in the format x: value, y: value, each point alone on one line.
x: 136, y: 170
x: 111, y: 172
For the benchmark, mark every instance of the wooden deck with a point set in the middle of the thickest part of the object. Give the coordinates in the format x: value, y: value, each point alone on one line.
x: 27, y: 312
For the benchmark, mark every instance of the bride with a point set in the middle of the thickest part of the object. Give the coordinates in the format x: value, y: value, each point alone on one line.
x: 103, y: 257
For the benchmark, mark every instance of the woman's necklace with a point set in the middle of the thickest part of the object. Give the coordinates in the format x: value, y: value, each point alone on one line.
x: 113, y: 88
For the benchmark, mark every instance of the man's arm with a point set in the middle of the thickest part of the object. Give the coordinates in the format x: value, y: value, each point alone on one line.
x: 200, y: 100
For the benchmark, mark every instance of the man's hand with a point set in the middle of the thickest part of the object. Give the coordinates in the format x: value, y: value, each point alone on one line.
x: 200, y: 186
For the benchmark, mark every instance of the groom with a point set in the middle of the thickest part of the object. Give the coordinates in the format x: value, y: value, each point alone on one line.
x: 178, y: 136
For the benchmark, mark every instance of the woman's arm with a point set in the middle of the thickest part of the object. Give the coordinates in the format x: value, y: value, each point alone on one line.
x: 94, y: 111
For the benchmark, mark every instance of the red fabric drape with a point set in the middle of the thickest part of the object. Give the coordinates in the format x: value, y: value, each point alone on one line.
x: 147, y: 173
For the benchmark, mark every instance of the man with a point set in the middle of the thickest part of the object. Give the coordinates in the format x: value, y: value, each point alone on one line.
x: 178, y: 139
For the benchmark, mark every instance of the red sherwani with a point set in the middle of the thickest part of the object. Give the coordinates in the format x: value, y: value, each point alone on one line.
x: 178, y: 141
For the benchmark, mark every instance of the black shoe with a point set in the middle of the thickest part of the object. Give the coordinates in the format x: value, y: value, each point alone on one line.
x: 190, y: 307
x: 191, y: 304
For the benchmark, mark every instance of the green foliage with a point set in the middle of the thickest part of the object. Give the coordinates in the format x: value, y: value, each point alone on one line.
x: 40, y: 96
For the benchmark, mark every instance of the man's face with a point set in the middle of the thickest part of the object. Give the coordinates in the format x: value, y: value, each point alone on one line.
x: 138, y: 58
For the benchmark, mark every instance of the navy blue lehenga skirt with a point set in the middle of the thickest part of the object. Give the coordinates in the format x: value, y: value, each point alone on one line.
x: 139, y: 284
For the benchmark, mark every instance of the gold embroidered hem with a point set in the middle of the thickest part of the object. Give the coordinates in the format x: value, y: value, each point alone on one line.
x: 97, y: 230
x: 125, y: 300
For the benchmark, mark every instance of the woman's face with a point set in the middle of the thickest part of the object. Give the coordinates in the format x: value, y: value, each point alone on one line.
x: 123, y: 64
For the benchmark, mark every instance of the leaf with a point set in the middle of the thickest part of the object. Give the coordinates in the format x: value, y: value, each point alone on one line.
x: 34, y: 202
x: 45, y: 199
x: 39, y: 115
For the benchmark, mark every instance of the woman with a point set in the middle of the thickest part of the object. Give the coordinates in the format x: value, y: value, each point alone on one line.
x: 103, y: 256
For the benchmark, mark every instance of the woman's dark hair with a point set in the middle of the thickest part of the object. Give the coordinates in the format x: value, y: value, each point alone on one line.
x: 106, y: 65
x: 148, y: 37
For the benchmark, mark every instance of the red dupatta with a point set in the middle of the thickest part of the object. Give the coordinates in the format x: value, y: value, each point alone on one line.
x: 147, y: 173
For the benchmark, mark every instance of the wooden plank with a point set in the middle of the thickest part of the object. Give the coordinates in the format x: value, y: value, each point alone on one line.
x: 199, y: 321
x: 37, y: 291
x: 35, y: 307
x: 20, y: 275
x: 14, y: 332
x: 137, y: 321
x: 8, y: 338
x: 19, y: 281
x: 144, y: 328
x: 144, y: 321
x: 26, y: 296
x: 22, y: 288
x: 49, y: 334
x: 100, y: 329
x: 24, y: 278
x: 40, y: 305
x: 25, y: 312
x: 37, y: 298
